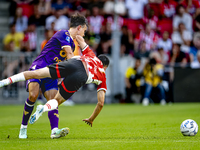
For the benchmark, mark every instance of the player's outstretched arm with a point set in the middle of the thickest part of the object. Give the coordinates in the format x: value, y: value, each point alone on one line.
x: 98, y: 108
x: 36, y: 74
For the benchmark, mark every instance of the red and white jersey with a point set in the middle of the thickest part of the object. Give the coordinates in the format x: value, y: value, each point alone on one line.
x: 191, y: 9
x: 168, y: 9
x: 95, y: 23
x: 150, y: 39
x: 95, y: 68
x: 153, y: 22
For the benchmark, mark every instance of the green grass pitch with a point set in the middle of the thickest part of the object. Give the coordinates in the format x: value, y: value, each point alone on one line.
x: 118, y: 127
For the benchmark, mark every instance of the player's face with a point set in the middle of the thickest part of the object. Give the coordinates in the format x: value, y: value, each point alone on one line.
x: 82, y: 30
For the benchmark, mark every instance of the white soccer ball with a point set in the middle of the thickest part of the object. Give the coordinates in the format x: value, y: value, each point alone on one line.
x: 189, y: 127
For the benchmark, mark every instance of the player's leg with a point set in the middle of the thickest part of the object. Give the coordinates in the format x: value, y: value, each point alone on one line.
x: 54, y: 119
x: 53, y: 115
x: 35, y: 74
x: 28, y: 107
x: 50, y: 105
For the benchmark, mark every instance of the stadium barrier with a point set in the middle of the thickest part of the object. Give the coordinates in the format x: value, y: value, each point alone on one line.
x: 187, y: 85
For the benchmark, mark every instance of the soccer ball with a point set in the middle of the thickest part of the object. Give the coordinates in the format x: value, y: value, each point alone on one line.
x: 189, y: 127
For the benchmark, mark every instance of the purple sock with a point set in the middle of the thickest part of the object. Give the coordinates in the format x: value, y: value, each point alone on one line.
x: 53, y: 118
x: 28, y: 108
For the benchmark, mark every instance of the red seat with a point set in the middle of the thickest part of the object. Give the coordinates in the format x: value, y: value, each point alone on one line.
x: 165, y: 25
x: 134, y: 25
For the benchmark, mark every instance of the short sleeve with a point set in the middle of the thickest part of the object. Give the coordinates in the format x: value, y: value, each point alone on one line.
x: 102, y: 86
x: 64, y: 38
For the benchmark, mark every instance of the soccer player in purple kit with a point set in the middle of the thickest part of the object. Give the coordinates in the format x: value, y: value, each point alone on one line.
x: 59, y: 48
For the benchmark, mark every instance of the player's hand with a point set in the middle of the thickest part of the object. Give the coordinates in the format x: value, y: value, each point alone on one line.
x: 80, y: 41
x: 88, y: 121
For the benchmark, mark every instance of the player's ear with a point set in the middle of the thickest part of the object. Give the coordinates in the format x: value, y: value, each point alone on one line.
x: 79, y: 27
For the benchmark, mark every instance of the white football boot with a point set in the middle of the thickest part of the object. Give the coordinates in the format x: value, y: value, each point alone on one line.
x: 59, y: 133
x: 23, y: 133
x: 37, y: 114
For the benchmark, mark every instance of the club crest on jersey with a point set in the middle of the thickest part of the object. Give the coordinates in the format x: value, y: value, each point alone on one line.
x: 68, y: 39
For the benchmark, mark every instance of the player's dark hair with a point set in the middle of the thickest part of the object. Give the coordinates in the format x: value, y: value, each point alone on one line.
x: 104, y: 59
x: 78, y: 19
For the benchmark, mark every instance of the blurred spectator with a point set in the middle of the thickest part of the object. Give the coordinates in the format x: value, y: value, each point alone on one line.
x: 151, y: 19
x: 20, y: 20
x: 43, y: 7
x: 12, y: 8
x: 183, y: 37
x: 132, y: 79
x: 168, y: 8
x: 12, y: 41
x: 136, y: 8
x: 141, y: 50
x: 194, y: 51
x: 48, y: 35
x: 110, y: 19
x: 196, y: 65
x: 165, y: 42
x: 95, y: 21
x: 182, y: 16
x: 30, y: 39
x: 127, y: 40
x: 61, y: 21
x: 153, y: 73
x: 37, y: 18
x: 108, y: 7
x: 177, y: 57
x: 106, y: 41
x: 61, y: 4
x: 27, y: 7
x: 80, y: 6
x: 197, y: 23
x: 192, y: 6
x: 91, y: 3
x: 149, y: 36
x: 160, y: 55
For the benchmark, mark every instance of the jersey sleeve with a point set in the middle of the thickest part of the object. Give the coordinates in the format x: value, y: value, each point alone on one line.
x: 64, y: 38
x: 102, y: 86
x: 87, y: 51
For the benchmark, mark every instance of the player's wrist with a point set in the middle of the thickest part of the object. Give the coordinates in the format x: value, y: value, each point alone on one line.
x: 84, y: 47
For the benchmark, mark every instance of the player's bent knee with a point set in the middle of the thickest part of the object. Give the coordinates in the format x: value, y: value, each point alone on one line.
x: 33, y: 96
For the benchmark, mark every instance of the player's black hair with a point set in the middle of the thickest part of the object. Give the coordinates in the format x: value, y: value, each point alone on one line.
x: 104, y: 59
x: 78, y: 19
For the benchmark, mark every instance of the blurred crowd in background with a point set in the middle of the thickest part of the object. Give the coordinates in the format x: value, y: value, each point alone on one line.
x: 157, y: 34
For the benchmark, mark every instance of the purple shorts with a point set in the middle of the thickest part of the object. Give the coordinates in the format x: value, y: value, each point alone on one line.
x: 46, y: 84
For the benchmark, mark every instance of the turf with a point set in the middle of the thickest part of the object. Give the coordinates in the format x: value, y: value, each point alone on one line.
x: 119, y: 126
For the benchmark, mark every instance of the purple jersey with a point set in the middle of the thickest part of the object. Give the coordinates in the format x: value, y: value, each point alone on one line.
x: 53, y: 51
